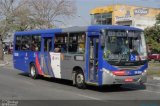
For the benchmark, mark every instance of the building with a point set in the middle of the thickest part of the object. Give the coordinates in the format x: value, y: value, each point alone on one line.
x: 140, y: 17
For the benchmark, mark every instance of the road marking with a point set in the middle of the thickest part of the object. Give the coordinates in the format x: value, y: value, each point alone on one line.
x: 100, y: 100
x: 88, y: 97
x: 141, y: 90
x: 150, y: 91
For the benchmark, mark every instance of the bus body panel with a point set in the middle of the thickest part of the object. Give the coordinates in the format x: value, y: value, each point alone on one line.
x: 61, y: 65
x: 22, y: 60
x: 69, y: 62
x: 19, y: 60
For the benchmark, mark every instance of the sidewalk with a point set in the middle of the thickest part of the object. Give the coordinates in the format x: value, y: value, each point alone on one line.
x: 3, y: 63
x: 6, y: 61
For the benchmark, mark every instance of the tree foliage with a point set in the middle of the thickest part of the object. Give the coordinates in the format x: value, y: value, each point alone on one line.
x: 46, y: 12
x: 23, y: 15
x: 153, y: 36
x: 20, y: 15
x: 158, y: 19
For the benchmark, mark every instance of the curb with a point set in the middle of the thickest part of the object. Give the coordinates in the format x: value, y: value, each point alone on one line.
x: 6, y: 62
x: 156, y: 78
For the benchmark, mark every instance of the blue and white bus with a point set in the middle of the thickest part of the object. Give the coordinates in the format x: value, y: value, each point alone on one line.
x: 99, y: 55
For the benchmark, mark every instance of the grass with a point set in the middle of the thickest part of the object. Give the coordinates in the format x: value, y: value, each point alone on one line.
x: 153, y: 73
x: 154, y: 69
x: 151, y: 64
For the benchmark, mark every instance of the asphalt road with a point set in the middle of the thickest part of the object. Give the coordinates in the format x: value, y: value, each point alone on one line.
x: 14, y: 85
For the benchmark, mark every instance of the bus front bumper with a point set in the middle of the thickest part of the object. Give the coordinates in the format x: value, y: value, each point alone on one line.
x: 109, y: 79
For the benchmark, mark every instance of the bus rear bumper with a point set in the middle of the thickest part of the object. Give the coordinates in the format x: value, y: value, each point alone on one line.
x: 109, y: 79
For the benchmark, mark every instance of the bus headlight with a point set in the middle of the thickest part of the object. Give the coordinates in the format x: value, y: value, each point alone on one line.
x: 112, y: 75
x: 144, y: 73
x: 108, y: 72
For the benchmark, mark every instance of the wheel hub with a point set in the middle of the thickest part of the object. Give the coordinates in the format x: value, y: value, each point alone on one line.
x: 33, y: 71
x: 80, y: 78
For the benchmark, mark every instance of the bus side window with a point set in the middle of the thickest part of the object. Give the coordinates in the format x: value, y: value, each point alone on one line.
x: 60, y: 43
x: 36, y: 43
x: 77, y: 43
x: 81, y: 43
x: 26, y: 43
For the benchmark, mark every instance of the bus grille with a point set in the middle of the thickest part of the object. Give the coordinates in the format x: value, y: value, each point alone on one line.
x: 123, y: 81
x: 128, y: 67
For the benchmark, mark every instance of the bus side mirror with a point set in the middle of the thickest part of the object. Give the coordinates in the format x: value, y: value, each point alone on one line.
x: 102, y: 41
x: 102, y: 47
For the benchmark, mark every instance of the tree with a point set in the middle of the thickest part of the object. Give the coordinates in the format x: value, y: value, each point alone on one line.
x: 30, y: 14
x: 8, y: 10
x: 47, y: 12
x: 158, y: 19
x: 1, y: 48
x: 152, y: 35
x: 20, y: 15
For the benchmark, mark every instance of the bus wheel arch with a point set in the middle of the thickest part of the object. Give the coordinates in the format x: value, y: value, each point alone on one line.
x: 33, y: 71
x: 78, y: 77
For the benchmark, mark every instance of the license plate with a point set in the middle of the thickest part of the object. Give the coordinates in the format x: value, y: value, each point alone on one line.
x: 129, y: 80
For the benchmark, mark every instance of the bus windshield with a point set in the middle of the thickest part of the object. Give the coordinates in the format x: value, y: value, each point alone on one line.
x: 124, y: 46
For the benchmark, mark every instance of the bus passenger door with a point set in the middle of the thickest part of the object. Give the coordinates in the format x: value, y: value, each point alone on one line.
x: 47, y: 47
x: 93, y: 59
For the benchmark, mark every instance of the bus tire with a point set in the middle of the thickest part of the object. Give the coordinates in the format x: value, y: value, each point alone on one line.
x: 33, y: 71
x: 80, y: 80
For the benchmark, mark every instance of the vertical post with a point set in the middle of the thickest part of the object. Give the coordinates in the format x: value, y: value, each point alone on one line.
x: 1, y: 49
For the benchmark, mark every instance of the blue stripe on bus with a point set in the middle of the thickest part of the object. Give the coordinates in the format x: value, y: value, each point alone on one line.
x: 87, y: 59
x: 100, y: 64
x: 107, y: 66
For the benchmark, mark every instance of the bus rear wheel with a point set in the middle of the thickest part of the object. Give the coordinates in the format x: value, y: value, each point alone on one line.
x: 33, y: 71
x: 80, y: 80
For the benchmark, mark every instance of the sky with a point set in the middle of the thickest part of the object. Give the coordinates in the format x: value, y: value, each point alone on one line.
x: 83, y: 18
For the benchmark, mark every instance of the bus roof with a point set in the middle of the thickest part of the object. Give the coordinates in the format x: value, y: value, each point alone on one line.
x: 92, y: 28
x: 40, y: 31
x: 112, y: 27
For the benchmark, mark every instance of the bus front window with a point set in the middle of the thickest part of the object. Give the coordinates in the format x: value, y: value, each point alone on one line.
x: 120, y: 46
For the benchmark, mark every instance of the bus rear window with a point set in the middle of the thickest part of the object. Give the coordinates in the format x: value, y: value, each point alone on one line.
x: 18, y: 43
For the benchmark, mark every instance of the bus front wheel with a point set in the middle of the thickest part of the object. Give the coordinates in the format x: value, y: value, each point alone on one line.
x: 79, y: 80
x: 33, y: 71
